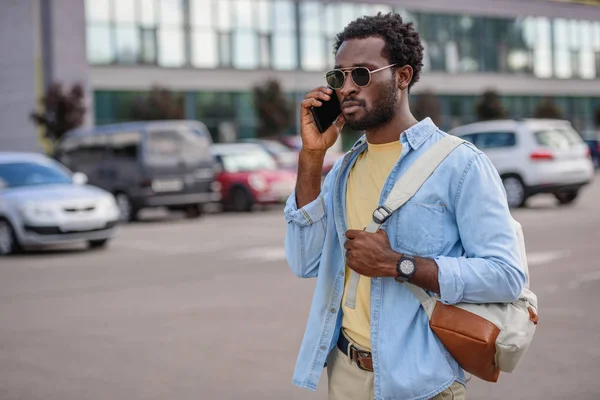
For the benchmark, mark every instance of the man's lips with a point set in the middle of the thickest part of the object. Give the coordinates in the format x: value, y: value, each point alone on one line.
x: 350, y: 107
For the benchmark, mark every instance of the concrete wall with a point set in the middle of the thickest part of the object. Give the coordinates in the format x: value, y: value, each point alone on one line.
x: 41, y: 41
x: 18, y: 74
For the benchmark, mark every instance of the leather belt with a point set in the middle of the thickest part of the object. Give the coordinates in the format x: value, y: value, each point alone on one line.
x: 364, y: 359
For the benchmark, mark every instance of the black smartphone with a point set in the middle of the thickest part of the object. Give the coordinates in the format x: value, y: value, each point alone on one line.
x: 326, y: 114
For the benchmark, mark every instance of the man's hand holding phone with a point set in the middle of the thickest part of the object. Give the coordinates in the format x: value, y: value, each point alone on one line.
x: 312, y: 138
x: 315, y: 143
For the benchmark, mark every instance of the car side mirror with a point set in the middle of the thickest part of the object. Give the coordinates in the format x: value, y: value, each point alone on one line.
x: 79, y: 178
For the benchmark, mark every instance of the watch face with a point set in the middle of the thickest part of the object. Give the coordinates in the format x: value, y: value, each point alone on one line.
x: 407, y: 267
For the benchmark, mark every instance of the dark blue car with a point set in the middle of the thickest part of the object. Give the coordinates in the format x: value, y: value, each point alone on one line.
x: 592, y: 139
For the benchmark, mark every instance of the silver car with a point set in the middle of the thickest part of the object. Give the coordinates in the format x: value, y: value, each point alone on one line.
x: 42, y: 202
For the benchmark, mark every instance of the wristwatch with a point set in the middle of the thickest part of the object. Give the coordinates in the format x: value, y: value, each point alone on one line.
x: 405, y: 268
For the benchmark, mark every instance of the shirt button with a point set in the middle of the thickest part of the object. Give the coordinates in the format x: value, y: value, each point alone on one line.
x: 332, y: 310
x: 323, y: 348
x: 341, y: 273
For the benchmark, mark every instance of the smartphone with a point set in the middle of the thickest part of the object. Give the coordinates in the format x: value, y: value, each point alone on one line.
x: 326, y: 114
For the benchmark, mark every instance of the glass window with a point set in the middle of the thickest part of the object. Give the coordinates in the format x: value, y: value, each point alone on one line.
x: 99, y: 49
x: 562, y: 53
x: 310, y: 17
x: 97, y: 10
x: 202, y: 13
x: 171, y: 47
x: 542, y: 51
x: 204, y: 50
x: 248, y: 161
x: 330, y: 19
x: 124, y: 11
x: 243, y: 14
x: 265, y: 51
x: 558, y: 138
x: 283, y: 15
x: 164, y: 143
x: 264, y: 15
x: 125, y: 144
x: 148, y: 12
x: 224, y: 50
x: 587, y: 65
x: 346, y: 15
x: 284, y: 51
x: 128, y: 45
x: 224, y: 15
x: 31, y: 174
x: 313, y: 53
x: 491, y: 140
x: 171, y: 12
x: 148, y: 45
x: 245, y: 48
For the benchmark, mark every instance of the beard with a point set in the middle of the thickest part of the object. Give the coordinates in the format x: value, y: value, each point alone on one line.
x: 382, y: 111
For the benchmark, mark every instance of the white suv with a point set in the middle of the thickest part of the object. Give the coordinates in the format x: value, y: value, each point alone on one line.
x: 533, y: 156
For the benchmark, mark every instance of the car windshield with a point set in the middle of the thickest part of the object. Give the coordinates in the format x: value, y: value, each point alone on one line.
x: 559, y: 138
x: 30, y: 174
x: 248, y: 161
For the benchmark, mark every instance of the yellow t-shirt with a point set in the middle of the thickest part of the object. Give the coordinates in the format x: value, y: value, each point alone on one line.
x: 365, y: 184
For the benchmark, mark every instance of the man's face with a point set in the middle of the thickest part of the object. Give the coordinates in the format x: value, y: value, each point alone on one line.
x: 371, y: 106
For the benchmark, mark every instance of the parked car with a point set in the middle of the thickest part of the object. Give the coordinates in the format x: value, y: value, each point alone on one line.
x: 285, y: 157
x: 249, y: 175
x: 146, y: 164
x: 42, y: 202
x: 295, y: 144
x: 533, y: 156
x: 592, y: 138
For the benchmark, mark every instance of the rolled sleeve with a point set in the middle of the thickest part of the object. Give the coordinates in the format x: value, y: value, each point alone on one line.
x: 307, y: 215
x: 450, y: 280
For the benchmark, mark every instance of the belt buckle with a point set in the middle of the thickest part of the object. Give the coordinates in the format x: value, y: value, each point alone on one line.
x: 355, y: 353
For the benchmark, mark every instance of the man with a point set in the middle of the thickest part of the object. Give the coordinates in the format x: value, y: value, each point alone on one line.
x: 455, y: 234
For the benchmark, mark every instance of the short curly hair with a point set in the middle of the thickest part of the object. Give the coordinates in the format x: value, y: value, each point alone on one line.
x: 402, y: 43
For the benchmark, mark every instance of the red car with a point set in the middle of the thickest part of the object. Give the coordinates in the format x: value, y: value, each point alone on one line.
x: 249, y: 175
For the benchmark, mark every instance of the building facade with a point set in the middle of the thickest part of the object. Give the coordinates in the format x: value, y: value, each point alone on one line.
x: 213, y: 52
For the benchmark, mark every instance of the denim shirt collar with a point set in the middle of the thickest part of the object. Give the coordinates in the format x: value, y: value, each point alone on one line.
x: 416, y: 135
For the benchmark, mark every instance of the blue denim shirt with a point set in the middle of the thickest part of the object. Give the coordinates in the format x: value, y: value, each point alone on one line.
x: 459, y: 217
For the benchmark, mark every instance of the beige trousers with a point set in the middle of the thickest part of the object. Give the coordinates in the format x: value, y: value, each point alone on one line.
x: 348, y: 382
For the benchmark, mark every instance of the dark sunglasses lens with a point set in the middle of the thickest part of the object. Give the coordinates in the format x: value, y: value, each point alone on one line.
x: 361, y: 76
x: 335, y: 79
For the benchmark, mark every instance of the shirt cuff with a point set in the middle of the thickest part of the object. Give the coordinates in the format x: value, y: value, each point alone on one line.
x: 450, y: 280
x: 307, y: 215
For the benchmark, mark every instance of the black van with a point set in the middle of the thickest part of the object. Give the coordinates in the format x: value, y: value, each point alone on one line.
x: 146, y: 164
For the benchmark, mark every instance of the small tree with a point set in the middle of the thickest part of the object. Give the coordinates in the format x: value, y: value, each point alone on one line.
x: 489, y: 107
x: 159, y: 104
x: 548, y: 109
x: 428, y: 105
x: 62, y: 111
x: 273, y: 108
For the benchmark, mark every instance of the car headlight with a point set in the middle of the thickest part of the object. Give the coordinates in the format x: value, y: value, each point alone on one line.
x: 38, y: 211
x: 257, y: 182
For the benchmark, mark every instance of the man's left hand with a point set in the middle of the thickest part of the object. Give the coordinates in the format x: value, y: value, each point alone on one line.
x: 370, y: 254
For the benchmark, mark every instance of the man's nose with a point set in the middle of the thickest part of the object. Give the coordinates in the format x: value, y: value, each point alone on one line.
x: 349, y: 86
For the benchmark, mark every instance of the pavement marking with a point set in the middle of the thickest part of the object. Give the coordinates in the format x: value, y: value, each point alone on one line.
x: 263, y: 253
x: 584, y: 278
x: 540, y: 258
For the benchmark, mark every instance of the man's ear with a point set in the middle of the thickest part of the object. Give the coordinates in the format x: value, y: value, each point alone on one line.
x: 404, y: 77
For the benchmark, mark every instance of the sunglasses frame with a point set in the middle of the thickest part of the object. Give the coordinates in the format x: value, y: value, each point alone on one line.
x: 350, y: 70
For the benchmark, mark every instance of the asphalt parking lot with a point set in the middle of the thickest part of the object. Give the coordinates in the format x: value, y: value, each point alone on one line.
x: 208, y: 309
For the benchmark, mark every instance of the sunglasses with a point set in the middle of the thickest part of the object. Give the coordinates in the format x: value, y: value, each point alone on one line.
x: 361, y: 76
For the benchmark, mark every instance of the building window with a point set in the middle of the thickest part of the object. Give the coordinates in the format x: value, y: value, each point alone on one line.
x: 171, y: 47
x: 204, y: 49
x: 562, y: 51
x: 124, y: 12
x: 284, y: 42
x: 542, y: 67
x: 312, y: 37
x: 99, y: 44
x: 128, y: 45
x: 245, y: 49
x: 97, y: 11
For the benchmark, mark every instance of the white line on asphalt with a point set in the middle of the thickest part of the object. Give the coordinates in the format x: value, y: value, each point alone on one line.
x: 263, y: 253
x: 583, y: 278
x: 539, y: 258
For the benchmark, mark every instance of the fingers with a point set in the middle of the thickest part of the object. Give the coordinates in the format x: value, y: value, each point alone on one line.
x: 311, y: 102
x: 316, y: 97
x: 353, y: 233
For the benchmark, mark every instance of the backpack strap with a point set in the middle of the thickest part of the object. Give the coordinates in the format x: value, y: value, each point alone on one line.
x: 404, y: 189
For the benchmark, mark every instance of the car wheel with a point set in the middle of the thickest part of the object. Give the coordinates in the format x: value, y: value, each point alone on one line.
x: 127, y: 212
x: 567, y: 197
x: 8, y: 240
x: 193, y: 211
x: 96, y: 244
x: 515, y: 191
x: 241, y: 200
